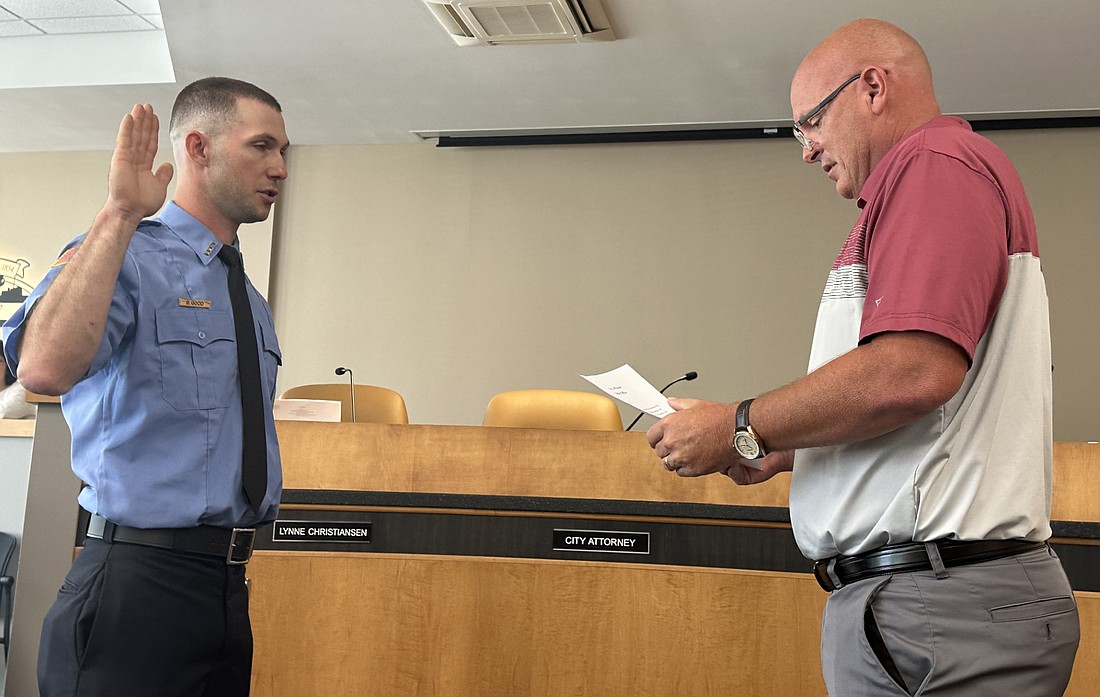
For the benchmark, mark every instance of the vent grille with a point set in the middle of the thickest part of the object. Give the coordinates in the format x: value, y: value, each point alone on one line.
x: 519, y: 20
x: 480, y: 22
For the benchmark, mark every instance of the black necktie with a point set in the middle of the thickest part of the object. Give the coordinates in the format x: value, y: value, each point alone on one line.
x: 254, y: 455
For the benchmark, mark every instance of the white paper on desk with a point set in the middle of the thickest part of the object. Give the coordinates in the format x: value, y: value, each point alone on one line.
x: 626, y: 385
x: 306, y: 410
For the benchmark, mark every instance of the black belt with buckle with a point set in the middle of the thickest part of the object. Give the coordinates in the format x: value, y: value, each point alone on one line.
x: 234, y: 545
x: 904, y: 558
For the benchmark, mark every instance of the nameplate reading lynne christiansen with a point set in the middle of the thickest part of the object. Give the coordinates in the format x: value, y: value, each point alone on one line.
x: 320, y: 531
x: 601, y: 541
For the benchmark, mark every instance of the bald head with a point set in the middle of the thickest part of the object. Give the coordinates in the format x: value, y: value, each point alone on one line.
x: 867, y: 43
x: 856, y: 95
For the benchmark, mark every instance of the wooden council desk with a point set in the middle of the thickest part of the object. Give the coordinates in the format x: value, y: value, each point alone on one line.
x: 475, y: 580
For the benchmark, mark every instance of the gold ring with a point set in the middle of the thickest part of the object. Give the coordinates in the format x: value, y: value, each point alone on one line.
x: 668, y: 466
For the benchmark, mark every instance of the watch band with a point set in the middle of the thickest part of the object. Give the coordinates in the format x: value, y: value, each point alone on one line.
x: 745, y: 441
x: 741, y: 418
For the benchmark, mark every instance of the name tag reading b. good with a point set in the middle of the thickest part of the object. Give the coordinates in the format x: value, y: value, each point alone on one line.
x: 601, y: 541
x: 320, y: 531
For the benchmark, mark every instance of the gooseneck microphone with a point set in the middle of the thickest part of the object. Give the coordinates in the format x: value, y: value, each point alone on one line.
x: 688, y: 376
x: 351, y: 387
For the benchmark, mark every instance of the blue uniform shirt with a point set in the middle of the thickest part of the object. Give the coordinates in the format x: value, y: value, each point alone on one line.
x: 156, y: 421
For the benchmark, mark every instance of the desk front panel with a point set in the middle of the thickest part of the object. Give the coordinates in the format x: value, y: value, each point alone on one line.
x: 463, y: 590
x: 479, y: 601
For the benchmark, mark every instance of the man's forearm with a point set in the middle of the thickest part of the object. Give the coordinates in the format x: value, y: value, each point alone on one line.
x: 875, y: 389
x: 65, y: 328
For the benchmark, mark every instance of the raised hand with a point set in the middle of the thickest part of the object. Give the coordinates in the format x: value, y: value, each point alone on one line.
x: 135, y: 191
x: 66, y: 328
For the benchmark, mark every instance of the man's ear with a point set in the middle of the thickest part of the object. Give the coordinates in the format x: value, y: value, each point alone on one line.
x: 873, y: 87
x: 197, y: 147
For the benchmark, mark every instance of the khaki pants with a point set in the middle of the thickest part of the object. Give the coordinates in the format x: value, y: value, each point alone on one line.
x: 998, y: 628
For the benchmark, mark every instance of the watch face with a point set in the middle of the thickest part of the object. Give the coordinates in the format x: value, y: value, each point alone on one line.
x: 746, y: 446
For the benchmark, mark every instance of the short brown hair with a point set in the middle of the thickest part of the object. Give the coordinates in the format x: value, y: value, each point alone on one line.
x: 210, y: 104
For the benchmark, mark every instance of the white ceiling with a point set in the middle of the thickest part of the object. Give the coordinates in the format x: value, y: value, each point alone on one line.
x: 374, y: 71
x: 37, y: 17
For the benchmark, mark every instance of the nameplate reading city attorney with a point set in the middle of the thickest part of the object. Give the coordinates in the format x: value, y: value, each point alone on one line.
x: 320, y: 531
x: 601, y: 541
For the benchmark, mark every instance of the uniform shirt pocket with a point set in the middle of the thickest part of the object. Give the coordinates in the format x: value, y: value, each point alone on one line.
x: 198, y: 357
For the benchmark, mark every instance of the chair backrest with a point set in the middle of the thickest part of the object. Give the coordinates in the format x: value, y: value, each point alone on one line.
x: 7, y: 583
x: 581, y: 411
x: 7, y: 549
x: 375, y: 405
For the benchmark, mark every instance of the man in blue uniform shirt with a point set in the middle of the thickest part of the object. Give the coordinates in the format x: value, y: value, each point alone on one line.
x: 135, y: 327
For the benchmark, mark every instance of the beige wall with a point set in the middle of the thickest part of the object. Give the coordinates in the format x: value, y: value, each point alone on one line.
x: 46, y: 199
x: 452, y: 274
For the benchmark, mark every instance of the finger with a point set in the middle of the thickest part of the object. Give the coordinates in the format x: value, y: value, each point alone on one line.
x: 140, y: 114
x: 132, y: 135
x: 125, y: 132
x: 655, y: 433
x: 686, y: 471
x: 164, y: 173
x: 681, y: 403
x: 146, y: 144
x: 738, y: 474
x: 154, y: 134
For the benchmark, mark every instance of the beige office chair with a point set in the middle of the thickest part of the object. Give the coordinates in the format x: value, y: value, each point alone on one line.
x: 374, y: 405
x: 582, y: 411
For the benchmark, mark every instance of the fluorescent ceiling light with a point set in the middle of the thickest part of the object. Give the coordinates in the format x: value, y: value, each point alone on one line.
x: 65, y: 43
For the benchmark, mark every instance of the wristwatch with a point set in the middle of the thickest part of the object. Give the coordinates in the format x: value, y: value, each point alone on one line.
x: 745, y: 441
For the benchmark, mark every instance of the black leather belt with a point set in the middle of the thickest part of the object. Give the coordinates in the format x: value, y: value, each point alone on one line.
x: 904, y: 558
x: 234, y: 545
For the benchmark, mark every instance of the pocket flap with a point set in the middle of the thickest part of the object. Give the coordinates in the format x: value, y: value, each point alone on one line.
x: 193, y: 325
x: 270, y: 343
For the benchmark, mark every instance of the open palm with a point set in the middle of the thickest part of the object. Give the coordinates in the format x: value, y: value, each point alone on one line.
x: 133, y: 187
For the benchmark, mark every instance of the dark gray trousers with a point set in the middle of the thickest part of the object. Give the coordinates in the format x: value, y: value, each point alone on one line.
x: 146, y: 622
x: 1004, y: 627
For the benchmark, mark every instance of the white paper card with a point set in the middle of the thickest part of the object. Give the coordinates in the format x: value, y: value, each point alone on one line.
x: 626, y: 385
x: 306, y: 410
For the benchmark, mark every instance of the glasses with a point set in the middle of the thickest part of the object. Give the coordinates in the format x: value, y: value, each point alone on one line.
x: 808, y: 144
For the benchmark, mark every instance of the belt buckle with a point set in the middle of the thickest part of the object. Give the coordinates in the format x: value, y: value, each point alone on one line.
x: 824, y: 578
x: 241, y: 539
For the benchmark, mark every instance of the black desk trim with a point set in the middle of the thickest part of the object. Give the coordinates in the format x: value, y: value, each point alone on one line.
x: 545, y: 504
x: 769, y: 547
x: 677, y: 537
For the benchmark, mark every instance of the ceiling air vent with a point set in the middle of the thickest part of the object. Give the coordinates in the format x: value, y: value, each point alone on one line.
x: 476, y: 22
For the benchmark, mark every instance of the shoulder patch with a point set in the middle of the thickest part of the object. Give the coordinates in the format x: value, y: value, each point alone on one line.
x: 65, y: 257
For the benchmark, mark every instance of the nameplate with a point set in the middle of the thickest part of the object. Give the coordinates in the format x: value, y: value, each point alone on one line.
x: 320, y: 531
x: 601, y: 541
